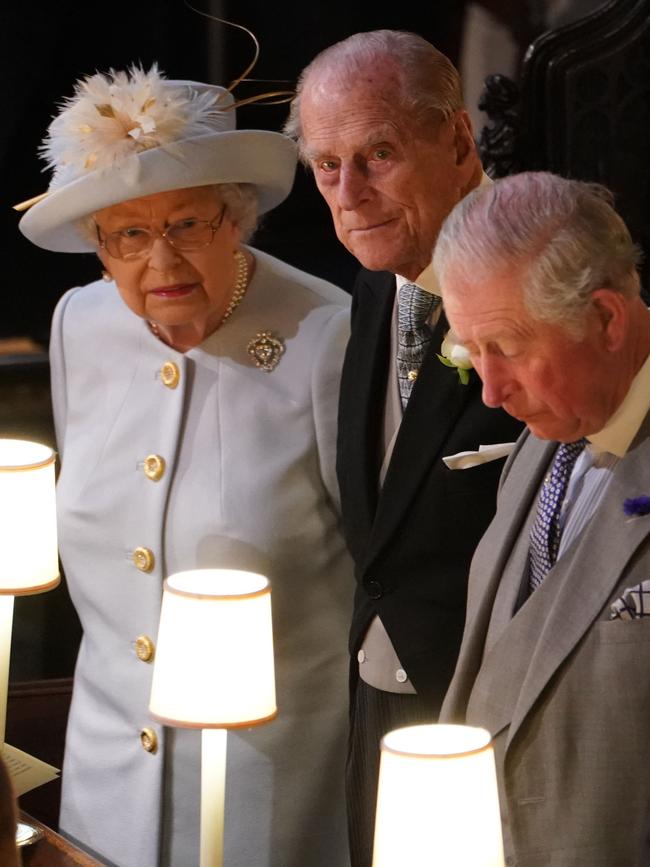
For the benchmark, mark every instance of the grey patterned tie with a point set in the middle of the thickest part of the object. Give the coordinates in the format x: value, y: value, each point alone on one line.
x: 414, y: 334
x: 545, y: 535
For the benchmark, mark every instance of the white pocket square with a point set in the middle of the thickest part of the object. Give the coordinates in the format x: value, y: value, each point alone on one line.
x: 485, y: 454
x: 634, y: 603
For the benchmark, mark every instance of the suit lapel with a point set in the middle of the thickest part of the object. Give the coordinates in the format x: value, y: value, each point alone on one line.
x: 495, y: 577
x: 367, y: 371
x: 438, y: 398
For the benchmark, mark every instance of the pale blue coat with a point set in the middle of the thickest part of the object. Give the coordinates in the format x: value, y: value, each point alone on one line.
x: 249, y: 482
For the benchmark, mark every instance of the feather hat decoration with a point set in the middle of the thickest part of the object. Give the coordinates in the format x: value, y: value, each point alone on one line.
x: 113, y: 117
x: 124, y: 135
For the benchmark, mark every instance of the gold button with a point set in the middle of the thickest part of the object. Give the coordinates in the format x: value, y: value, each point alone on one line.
x: 154, y: 467
x: 149, y: 740
x: 144, y: 648
x: 144, y: 559
x: 412, y: 375
x: 170, y: 374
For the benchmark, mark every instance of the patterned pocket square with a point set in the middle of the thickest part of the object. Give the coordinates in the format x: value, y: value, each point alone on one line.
x: 634, y: 603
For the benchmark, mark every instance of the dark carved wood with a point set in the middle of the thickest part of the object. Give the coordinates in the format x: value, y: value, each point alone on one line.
x: 498, y: 142
x: 584, y: 109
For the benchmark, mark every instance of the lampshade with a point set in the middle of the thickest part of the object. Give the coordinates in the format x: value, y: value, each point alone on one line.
x: 28, y: 544
x: 214, y: 655
x: 437, y: 804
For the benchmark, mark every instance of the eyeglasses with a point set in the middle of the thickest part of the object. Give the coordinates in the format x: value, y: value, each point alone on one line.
x: 135, y: 241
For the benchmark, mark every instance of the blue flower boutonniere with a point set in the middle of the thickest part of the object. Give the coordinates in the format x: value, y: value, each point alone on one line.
x: 635, y: 507
x: 454, y: 354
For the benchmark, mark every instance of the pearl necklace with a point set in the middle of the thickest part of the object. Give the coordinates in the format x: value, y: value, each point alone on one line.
x: 241, y: 285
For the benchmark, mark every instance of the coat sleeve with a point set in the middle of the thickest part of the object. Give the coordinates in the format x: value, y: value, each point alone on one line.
x: 326, y: 379
x: 58, y: 385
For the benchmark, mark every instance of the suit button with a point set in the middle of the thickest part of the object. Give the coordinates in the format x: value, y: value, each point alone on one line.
x: 154, y: 467
x: 374, y: 589
x: 144, y: 559
x: 149, y: 740
x: 144, y: 648
x: 170, y: 374
x: 361, y: 656
x: 401, y: 676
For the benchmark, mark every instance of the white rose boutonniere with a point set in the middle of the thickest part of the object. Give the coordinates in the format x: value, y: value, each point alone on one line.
x: 454, y: 354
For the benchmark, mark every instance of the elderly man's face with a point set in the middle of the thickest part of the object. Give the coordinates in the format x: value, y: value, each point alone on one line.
x: 563, y: 388
x: 389, y: 182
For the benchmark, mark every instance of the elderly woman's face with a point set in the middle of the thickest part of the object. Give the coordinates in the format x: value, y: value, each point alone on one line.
x: 171, y: 287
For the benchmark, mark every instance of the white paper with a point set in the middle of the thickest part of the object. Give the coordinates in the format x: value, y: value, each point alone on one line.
x: 485, y: 454
x: 26, y: 772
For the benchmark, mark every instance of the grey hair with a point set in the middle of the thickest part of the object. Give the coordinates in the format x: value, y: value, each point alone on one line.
x: 429, y: 83
x: 562, y: 237
x: 241, y: 206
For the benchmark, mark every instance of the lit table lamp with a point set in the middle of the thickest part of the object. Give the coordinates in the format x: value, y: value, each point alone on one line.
x: 28, y: 547
x: 437, y: 803
x: 214, y: 670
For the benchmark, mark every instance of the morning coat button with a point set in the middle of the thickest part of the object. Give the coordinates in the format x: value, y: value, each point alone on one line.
x: 149, y: 740
x: 361, y: 656
x: 170, y: 374
x: 374, y: 589
x: 401, y: 676
x: 154, y: 467
x: 144, y: 648
x: 143, y: 559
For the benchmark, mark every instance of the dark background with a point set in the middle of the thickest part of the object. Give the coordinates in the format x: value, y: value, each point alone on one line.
x: 46, y: 47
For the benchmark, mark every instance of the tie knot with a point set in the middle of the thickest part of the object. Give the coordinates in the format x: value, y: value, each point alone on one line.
x: 415, y: 306
x: 568, y: 453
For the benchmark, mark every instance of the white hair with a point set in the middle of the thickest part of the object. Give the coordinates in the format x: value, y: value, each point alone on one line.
x: 562, y: 238
x: 429, y: 83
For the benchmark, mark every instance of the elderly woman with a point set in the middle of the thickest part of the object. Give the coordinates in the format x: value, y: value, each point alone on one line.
x: 195, y: 401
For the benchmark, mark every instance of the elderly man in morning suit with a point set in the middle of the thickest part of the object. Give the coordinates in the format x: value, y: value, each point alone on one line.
x: 539, y: 281
x: 379, y: 119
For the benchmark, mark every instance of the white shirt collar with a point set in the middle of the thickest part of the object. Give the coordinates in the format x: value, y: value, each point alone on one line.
x: 624, y: 425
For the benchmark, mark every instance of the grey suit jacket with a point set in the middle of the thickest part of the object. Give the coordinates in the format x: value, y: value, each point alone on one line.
x: 564, y: 691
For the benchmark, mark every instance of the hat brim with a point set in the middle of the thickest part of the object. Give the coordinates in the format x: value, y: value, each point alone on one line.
x: 265, y: 159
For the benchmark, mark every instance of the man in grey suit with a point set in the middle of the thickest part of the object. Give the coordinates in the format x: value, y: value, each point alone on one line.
x: 539, y: 281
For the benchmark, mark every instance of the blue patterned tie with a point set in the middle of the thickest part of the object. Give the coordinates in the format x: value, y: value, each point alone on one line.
x: 545, y: 535
x: 414, y: 334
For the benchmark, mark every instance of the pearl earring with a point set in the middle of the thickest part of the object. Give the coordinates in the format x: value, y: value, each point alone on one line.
x: 107, y: 276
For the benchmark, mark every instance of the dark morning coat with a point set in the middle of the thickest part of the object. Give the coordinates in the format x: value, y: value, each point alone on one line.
x: 413, y: 541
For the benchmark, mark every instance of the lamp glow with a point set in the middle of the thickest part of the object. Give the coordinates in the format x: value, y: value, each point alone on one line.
x: 28, y: 552
x: 214, y: 670
x: 437, y: 802
x: 28, y: 546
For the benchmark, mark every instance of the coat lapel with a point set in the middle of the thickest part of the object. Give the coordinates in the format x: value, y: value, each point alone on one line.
x: 361, y: 411
x: 436, y: 402
x: 494, y: 582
